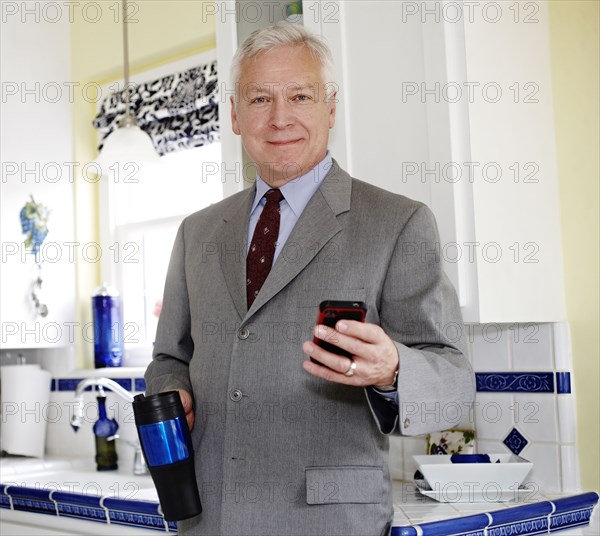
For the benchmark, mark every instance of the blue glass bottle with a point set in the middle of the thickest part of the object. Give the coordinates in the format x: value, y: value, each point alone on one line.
x: 104, y: 431
x: 108, y: 328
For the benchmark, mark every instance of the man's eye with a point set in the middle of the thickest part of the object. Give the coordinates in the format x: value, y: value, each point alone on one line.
x: 301, y: 97
x: 259, y: 100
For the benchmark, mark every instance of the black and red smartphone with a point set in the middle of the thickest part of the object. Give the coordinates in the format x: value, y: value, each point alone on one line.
x: 330, y: 312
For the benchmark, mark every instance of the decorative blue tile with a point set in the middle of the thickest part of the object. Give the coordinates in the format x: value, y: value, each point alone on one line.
x: 173, y: 526
x: 81, y: 499
x: 4, y: 498
x: 468, y: 525
x: 575, y: 502
x: 528, y: 526
x: 70, y: 384
x: 573, y: 511
x: 403, y: 531
x: 515, y: 382
x: 127, y: 505
x: 140, y: 384
x: 138, y: 520
x: 527, y: 512
x: 82, y: 512
x: 33, y: 505
x: 563, y: 383
x: 39, y: 494
x: 577, y: 518
x: 515, y: 441
x: 125, y: 383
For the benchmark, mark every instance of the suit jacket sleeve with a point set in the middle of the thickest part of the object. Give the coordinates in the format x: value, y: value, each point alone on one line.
x: 173, y: 350
x: 421, y: 314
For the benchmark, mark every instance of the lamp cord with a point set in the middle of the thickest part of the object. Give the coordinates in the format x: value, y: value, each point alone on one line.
x: 126, y: 59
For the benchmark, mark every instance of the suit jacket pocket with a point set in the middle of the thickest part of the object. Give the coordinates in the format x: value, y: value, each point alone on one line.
x: 359, y: 484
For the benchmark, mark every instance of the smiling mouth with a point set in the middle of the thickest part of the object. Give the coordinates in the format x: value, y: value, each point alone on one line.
x: 283, y: 142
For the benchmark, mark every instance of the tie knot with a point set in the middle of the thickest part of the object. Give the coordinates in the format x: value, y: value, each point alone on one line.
x: 274, y: 196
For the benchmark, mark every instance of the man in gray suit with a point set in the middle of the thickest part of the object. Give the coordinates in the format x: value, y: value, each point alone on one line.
x: 284, y: 445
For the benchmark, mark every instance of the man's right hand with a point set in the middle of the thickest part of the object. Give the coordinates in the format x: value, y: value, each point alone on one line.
x: 188, y: 407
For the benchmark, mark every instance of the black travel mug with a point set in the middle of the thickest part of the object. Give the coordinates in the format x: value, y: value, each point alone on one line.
x: 167, y: 446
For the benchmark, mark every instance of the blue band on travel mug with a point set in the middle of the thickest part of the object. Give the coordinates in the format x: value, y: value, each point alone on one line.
x: 165, y: 442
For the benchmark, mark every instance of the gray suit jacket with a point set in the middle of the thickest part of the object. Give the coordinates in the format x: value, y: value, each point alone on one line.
x: 279, y: 451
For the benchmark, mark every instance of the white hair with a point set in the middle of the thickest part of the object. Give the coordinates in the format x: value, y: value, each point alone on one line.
x: 284, y: 34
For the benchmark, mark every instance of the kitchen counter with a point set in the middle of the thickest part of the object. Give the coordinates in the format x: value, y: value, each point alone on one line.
x: 76, y: 499
x: 58, y: 496
x: 529, y: 512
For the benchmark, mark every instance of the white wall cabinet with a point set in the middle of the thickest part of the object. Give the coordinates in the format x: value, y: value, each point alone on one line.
x: 36, y: 148
x: 451, y: 104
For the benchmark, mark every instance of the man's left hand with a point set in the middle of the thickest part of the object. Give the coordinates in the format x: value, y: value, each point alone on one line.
x: 373, y: 352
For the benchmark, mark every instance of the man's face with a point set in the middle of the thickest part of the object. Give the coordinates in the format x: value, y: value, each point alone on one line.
x: 282, y: 113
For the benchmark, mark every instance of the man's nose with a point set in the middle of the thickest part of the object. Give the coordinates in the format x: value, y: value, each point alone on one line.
x: 281, y: 114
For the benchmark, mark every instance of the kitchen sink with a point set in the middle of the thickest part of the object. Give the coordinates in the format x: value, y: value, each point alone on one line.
x: 71, y: 493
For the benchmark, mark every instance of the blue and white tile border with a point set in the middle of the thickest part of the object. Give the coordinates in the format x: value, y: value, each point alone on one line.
x: 538, y: 518
x: 70, y: 384
x: 487, y: 382
x: 563, y: 383
x: 524, y: 382
x: 140, y: 514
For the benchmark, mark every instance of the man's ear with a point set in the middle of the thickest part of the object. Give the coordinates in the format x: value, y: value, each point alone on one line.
x: 234, y: 121
x: 332, y: 108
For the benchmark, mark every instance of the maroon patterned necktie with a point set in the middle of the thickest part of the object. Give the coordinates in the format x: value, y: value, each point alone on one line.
x: 262, y: 247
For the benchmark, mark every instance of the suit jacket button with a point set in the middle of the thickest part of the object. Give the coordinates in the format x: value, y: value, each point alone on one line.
x: 406, y: 422
x: 243, y: 333
x: 235, y: 395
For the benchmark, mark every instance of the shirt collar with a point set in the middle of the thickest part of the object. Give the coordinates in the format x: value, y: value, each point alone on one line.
x: 298, y: 191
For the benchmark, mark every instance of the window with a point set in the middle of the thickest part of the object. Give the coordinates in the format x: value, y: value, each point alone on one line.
x: 142, y: 207
x: 147, y: 214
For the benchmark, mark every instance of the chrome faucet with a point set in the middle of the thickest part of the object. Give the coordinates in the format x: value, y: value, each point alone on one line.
x: 77, y: 418
x: 139, y: 464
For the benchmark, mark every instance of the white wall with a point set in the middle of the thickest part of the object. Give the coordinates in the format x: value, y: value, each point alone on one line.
x: 415, y: 116
x: 36, y: 153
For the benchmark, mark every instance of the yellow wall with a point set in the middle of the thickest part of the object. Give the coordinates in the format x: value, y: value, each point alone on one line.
x: 574, y: 40
x: 160, y: 31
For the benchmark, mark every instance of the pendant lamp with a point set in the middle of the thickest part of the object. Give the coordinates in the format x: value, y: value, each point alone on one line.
x: 128, y: 142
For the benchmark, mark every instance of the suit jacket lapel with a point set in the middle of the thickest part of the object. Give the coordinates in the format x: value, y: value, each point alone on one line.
x: 233, y: 251
x: 316, y: 226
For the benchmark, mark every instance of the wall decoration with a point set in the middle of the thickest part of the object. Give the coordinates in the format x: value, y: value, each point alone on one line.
x: 515, y: 441
x: 34, y: 224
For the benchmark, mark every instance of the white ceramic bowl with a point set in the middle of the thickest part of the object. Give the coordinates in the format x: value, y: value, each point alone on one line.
x: 505, y: 472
